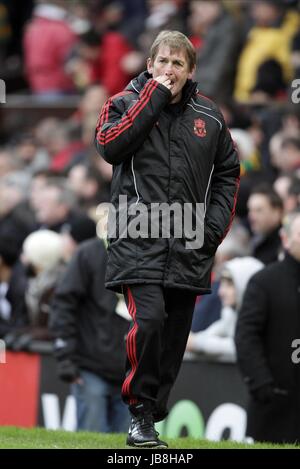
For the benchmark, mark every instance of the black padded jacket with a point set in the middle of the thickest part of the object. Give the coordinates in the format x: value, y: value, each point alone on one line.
x: 164, y: 153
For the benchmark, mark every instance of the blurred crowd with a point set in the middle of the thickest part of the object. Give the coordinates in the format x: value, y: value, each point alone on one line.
x: 249, y: 50
x: 52, y: 181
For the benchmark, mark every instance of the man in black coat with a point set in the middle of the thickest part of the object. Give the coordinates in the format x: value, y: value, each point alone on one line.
x: 265, y: 215
x: 169, y: 147
x: 90, y: 340
x: 13, y: 284
x: 267, y: 327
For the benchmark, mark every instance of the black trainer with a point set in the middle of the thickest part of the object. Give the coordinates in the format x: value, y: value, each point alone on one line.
x: 142, y: 433
x: 162, y: 444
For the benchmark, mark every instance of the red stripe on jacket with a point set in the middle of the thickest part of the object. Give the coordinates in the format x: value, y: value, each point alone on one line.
x: 127, y: 120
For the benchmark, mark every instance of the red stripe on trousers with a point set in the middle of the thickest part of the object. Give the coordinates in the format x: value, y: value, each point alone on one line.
x: 128, y: 339
x: 131, y: 346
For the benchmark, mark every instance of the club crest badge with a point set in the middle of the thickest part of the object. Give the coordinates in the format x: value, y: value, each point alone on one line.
x: 199, y: 128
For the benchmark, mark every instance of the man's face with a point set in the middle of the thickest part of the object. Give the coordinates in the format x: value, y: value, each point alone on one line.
x: 291, y: 241
x: 264, y: 13
x: 173, y: 64
x: 290, y: 158
x: 48, y: 209
x: 263, y: 217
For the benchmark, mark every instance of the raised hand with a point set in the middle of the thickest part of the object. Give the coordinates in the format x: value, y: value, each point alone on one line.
x: 164, y: 80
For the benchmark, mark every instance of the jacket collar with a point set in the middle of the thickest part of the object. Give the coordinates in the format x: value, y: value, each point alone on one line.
x: 138, y: 83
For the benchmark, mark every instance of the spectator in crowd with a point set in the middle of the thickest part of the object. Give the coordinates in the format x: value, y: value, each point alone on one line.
x: 65, y: 145
x: 43, y: 257
x: 92, y: 99
x: 89, y: 186
x: 274, y: 27
x: 218, y: 53
x: 90, y: 340
x: 265, y: 216
x: 13, y: 283
x: 30, y: 159
x: 251, y: 172
x: 85, y: 150
x: 217, y: 340
x: 269, y: 85
x: 39, y: 181
x: 56, y: 205
x: 289, y: 128
x: 208, y: 307
x: 161, y: 14
x: 288, y: 188
x: 235, y: 115
x: 80, y: 15
x: 16, y: 217
x: 48, y: 39
x: 75, y: 232
x: 105, y: 169
x: 267, y: 327
x: 247, y: 149
x: 8, y: 162
x: 59, y: 142
x: 281, y: 185
x: 292, y: 201
x: 290, y: 155
x: 134, y: 19
x: 84, y: 58
x: 108, y: 70
x: 46, y: 133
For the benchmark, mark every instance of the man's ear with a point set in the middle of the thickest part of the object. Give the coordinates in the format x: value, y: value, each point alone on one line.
x: 149, y: 66
x: 191, y: 73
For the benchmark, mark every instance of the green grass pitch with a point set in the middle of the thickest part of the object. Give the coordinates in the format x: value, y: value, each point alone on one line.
x: 39, y: 438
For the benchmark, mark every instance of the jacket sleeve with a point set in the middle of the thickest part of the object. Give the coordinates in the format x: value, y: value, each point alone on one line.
x: 68, y: 296
x: 249, y: 336
x: 223, y: 192
x: 120, y: 132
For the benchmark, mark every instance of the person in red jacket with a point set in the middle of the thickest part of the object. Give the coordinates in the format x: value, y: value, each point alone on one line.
x: 47, y: 41
x: 108, y: 69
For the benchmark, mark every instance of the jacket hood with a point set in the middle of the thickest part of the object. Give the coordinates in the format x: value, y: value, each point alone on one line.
x: 138, y: 83
x: 241, y: 269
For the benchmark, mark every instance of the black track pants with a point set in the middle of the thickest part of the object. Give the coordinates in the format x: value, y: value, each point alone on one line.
x: 156, y: 341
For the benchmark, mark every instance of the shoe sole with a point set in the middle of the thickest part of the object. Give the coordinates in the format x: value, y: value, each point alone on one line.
x: 148, y: 444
